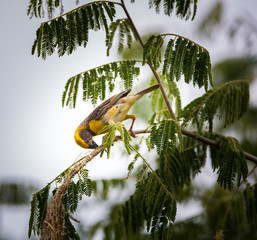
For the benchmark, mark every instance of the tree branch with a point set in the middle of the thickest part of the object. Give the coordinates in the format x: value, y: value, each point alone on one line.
x: 202, y: 139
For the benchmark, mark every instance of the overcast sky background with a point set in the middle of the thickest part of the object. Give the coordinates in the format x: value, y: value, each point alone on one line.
x: 36, y: 132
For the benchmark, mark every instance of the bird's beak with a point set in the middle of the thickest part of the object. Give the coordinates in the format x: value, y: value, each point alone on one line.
x: 91, y: 144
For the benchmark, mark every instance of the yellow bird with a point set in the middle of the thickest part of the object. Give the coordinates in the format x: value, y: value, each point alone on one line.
x: 112, y: 110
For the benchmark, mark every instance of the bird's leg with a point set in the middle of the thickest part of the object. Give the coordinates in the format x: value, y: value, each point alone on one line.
x: 133, y: 117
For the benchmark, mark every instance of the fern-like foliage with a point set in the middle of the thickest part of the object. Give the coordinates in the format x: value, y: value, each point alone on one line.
x: 36, y: 7
x: 38, y: 211
x: 163, y: 136
x: 158, y: 104
x: 177, y: 162
x: 178, y: 167
x: 230, y: 100
x: 182, y: 57
x: 76, y: 190
x: 69, y: 230
x: 110, y: 137
x: 152, y: 51
x: 227, y: 210
x: 230, y: 161
x: 71, y: 198
x: 150, y: 208
x: 123, y: 27
x: 182, y: 8
x: 132, y: 164
x: 71, y: 29
x: 250, y: 196
x: 195, y: 154
x: 95, y: 81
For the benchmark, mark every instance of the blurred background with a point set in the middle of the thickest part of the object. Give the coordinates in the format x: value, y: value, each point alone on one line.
x: 37, y: 133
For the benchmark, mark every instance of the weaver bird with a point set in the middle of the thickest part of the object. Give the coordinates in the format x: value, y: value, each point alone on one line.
x: 112, y: 110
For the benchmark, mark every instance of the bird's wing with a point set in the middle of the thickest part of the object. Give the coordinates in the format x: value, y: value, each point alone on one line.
x: 106, y: 105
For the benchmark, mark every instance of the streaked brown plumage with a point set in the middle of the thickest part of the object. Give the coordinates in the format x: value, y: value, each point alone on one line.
x: 112, y: 110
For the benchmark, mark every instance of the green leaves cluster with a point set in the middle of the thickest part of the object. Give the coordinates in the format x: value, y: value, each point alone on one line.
x: 76, y: 191
x: 182, y: 57
x: 163, y: 136
x: 230, y: 100
x: 154, y: 208
x: 110, y: 137
x: 152, y: 50
x: 180, y: 159
x: 230, y: 161
x: 71, y: 30
x: 124, y: 31
x: 182, y: 8
x: 36, y: 7
x: 250, y: 196
x: 71, y: 198
x: 95, y: 81
x: 38, y: 211
x: 158, y: 104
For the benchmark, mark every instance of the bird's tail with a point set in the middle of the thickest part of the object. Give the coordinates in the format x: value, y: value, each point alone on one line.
x: 147, y: 90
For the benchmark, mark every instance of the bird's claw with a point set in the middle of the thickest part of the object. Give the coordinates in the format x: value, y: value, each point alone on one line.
x: 132, y: 134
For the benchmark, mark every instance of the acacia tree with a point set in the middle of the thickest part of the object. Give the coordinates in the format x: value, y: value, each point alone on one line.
x: 180, y: 153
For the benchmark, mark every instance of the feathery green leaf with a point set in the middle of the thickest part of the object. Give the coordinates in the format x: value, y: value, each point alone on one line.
x: 42, y: 198
x: 182, y: 8
x: 181, y: 57
x: 71, y: 198
x: 94, y: 82
x: 152, y: 51
x: 231, y: 99
x: 33, y: 214
x: 110, y: 137
x: 125, y: 33
x: 69, y: 230
x: 70, y: 30
x: 230, y: 161
x: 164, y: 137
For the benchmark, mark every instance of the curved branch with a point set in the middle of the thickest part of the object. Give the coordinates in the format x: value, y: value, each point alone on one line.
x: 204, y: 140
x: 172, y: 114
x: 53, y: 226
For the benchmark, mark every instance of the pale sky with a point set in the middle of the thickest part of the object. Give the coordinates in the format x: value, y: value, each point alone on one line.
x: 36, y: 132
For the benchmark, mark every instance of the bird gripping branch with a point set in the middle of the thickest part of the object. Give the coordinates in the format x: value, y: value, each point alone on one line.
x: 114, y: 109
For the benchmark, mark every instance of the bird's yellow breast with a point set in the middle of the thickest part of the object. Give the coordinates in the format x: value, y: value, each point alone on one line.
x: 96, y: 126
